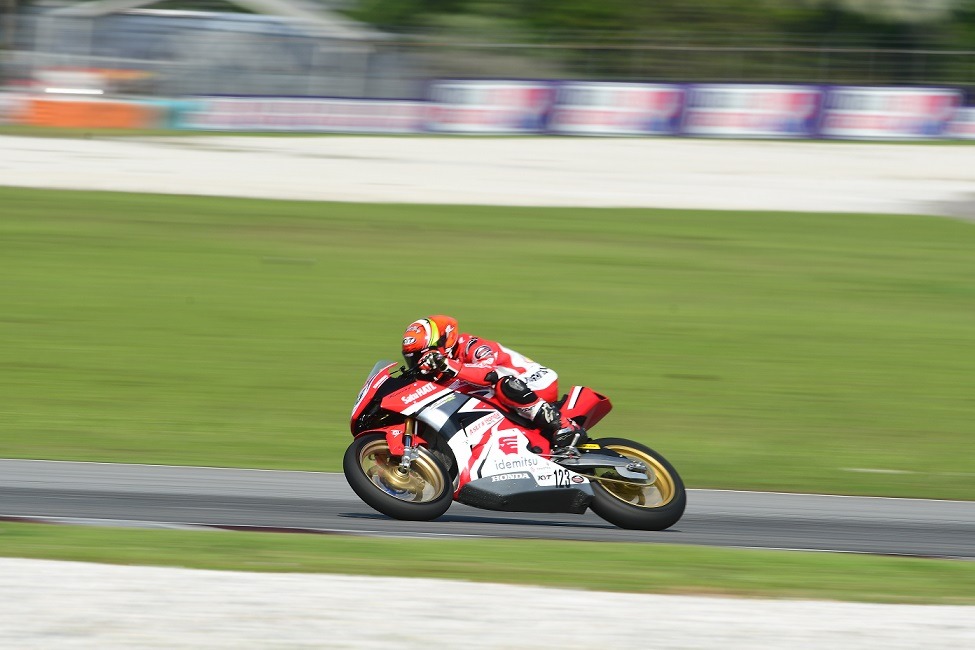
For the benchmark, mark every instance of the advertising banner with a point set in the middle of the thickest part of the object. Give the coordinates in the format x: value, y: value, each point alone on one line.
x: 751, y: 111
x: 596, y: 108
x: 888, y: 113
x: 962, y: 126
x: 301, y: 114
x: 490, y: 106
x: 90, y: 113
x: 12, y: 106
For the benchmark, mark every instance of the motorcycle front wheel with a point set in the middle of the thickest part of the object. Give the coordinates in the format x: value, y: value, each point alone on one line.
x: 421, y: 493
x: 650, y: 506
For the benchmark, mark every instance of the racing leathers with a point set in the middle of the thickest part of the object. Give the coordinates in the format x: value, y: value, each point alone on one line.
x: 520, y: 384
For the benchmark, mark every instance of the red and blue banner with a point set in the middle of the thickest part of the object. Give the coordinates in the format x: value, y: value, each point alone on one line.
x: 962, y: 126
x: 874, y: 113
x: 604, y: 108
x: 489, y: 107
x: 300, y: 114
x: 537, y: 107
x: 751, y: 111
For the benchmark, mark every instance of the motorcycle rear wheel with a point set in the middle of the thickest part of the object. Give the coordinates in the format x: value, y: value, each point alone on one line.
x: 655, y: 506
x: 423, y: 493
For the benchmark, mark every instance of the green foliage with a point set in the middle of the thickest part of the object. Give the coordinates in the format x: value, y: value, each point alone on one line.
x: 940, y: 22
x: 400, y: 14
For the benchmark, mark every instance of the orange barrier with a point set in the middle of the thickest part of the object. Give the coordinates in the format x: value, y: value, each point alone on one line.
x: 90, y: 113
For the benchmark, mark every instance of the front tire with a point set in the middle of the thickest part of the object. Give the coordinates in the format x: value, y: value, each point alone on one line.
x: 421, y: 494
x: 655, y: 506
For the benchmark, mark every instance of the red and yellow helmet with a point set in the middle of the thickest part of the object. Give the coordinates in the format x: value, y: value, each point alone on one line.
x: 433, y: 332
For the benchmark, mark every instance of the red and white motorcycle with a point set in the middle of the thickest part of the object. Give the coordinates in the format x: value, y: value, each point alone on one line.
x: 420, y: 445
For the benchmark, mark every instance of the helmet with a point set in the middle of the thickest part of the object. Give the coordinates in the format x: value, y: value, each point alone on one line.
x: 437, y: 331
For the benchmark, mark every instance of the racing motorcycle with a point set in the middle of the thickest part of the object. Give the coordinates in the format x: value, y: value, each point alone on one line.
x: 418, y: 446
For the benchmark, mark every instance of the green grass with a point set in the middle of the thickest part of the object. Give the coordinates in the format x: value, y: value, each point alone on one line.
x: 755, y: 350
x: 638, y: 568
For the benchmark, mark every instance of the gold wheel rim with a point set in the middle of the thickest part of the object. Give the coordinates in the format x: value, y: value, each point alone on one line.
x: 422, y: 483
x: 650, y: 495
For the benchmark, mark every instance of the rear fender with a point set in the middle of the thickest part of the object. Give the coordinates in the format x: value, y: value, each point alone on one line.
x: 394, y: 438
x: 586, y: 406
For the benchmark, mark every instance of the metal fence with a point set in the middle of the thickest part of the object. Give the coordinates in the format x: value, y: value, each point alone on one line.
x: 185, y: 59
x: 690, y: 61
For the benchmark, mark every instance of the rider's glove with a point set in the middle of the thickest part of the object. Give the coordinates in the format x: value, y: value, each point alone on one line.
x: 432, y: 363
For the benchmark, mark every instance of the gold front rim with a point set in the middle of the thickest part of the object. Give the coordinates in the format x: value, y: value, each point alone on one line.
x: 650, y: 495
x: 422, y: 483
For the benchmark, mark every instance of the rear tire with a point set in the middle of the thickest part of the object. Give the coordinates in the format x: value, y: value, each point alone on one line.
x: 423, y: 493
x: 656, y: 506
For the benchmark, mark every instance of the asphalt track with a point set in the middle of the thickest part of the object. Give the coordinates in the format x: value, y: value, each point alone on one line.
x: 164, y: 496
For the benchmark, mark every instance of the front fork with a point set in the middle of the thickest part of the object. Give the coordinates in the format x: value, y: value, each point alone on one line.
x: 410, y: 452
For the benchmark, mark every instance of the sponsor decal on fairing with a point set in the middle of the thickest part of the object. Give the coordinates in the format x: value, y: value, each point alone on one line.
x: 418, y: 393
x: 509, y: 477
x: 508, y: 444
x: 421, y: 397
x: 476, y: 429
x: 521, y: 462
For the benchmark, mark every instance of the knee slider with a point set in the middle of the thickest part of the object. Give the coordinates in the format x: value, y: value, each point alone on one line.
x: 516, y: 390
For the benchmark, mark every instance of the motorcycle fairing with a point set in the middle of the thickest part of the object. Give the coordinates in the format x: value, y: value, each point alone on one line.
x: 377, y: 377
x: 520, y: 492
x: 503, y: 474
x: 586, y: 406
x: 485, y: 443
x: 394, y: 438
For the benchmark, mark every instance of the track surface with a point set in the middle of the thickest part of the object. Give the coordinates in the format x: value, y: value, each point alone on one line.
x: 148, y: 495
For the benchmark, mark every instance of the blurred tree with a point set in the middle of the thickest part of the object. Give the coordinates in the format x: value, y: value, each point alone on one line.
x: 400, y: 14
x: 8, y: 23
x: 614, y: 19
x: 907, y: 11
x: 591, y: 37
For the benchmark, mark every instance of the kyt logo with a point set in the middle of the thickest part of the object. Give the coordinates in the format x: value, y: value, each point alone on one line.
x: 508, y: 444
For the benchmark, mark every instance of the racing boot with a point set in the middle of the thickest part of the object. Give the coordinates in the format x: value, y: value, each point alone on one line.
x: 568, y: 436
x: 563, y: 432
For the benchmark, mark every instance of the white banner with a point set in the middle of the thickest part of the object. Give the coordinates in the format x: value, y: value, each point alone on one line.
x: 12, y: 107
x: 302, y: 114
x: 490, y: 106
x: 962, y: 126
x: 752, y: 111
x: 594, y: 108
x: 888, y: 113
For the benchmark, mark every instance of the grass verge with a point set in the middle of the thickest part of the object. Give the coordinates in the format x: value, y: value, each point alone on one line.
x: 770, y: 351
x: 638, y: 568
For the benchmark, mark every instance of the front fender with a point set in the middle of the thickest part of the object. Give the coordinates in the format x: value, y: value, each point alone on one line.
x: 394, y: 438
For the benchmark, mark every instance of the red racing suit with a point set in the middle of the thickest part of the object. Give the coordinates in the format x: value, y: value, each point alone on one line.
x: 473, y: 359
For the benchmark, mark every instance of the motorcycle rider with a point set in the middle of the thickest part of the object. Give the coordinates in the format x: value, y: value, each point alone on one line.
x: 436, y: 347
